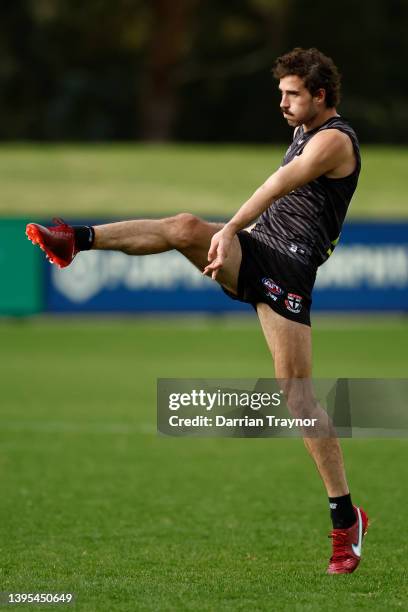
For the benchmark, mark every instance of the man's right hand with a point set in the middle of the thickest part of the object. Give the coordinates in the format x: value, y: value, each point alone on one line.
x: 218, y: 252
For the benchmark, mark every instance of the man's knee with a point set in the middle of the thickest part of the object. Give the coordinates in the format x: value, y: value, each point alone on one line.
x: 299, y: 396
x: 183, y: 230
x: 293, y: 368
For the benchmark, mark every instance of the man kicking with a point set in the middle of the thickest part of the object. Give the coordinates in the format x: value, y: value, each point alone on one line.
x: 269, y: 252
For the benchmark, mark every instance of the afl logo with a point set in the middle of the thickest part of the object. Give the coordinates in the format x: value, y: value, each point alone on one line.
x: 272, y: 290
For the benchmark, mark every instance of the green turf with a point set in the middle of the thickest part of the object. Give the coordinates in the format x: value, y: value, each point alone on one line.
x: 129, y: 180
x: 92, y: 501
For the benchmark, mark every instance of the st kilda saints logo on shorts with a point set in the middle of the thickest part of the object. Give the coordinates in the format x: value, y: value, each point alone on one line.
x: 272, y: 290
x: 294, y: 303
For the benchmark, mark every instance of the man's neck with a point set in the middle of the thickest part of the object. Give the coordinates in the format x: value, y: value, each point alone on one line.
x: 321, y: 118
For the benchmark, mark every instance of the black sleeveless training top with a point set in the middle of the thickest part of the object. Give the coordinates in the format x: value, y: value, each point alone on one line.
x: 306, y: 223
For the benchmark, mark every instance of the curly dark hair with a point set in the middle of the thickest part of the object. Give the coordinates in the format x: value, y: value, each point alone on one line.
x: 316, y: 69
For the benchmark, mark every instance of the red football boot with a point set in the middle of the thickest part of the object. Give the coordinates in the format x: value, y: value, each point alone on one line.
x: 347, y: 545
x: 58, y: 242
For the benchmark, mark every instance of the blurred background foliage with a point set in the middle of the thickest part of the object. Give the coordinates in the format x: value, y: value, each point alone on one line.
x: 191, y: 70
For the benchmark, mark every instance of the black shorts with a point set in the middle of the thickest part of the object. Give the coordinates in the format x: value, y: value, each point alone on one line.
x: 268, y: 276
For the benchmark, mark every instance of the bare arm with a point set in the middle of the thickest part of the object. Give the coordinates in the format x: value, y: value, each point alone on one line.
x: 325, y: 152
x: 322, y: 155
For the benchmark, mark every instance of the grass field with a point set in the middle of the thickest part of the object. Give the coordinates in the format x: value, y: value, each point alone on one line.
x: 94, y: 502
x: 115, y: 180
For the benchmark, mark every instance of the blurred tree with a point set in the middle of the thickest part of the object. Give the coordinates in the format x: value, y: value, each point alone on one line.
x: 191, y: 69
x: 368, y: 41
x: 227, y: 73
x: 67, y: 68
x: 170, y: 26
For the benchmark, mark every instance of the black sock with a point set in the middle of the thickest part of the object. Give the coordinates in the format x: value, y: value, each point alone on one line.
x: 342, y: 512
x: 84, y: 237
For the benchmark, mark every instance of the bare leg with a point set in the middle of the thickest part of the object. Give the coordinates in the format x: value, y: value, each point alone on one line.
x: 291, y: 347
x: 186, y: 233
x: 140, y: 237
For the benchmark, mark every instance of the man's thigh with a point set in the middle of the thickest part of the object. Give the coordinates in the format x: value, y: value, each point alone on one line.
x: 197, y: 253
x: 289, y: 342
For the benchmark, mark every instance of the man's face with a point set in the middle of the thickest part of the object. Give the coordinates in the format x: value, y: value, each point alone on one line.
x: 297, y: 104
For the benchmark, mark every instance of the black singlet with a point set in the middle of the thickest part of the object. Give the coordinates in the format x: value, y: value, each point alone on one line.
x: 306, y: 223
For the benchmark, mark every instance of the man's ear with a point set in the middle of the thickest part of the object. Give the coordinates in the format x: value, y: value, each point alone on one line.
x: 320, y: 95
